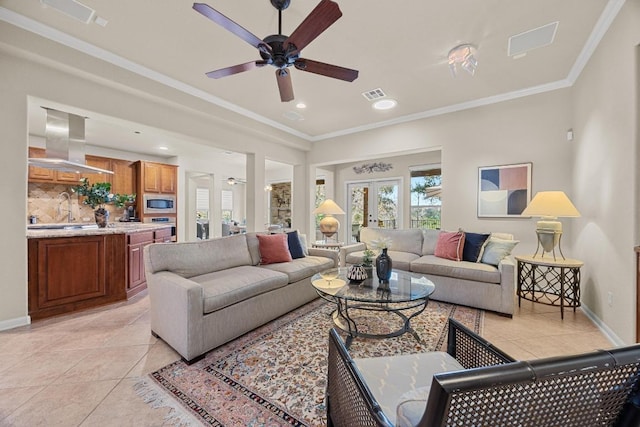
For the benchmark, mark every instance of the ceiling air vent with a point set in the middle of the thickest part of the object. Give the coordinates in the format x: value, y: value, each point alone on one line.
x: 292, y: 115
x: 374, y: 94
x: 521, y: 43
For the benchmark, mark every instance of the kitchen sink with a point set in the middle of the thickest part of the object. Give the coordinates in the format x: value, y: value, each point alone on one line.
x: 61, y: 226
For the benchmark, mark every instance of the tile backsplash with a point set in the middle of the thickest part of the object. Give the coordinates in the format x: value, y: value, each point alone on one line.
x: 48, y: 205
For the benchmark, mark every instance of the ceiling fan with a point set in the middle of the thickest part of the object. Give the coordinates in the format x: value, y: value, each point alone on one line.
x: 283, y: 51
x: 233, y: 181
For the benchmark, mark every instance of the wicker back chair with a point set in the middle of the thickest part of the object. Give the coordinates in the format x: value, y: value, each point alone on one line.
x: 494, y: 390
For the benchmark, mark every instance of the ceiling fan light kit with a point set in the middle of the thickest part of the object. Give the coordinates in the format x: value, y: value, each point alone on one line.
x: 283, y: 51
x: 233, y: 181
x: 463, y: 55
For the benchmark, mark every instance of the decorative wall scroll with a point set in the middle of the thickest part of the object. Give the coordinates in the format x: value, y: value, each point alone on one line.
x: 373, y: 167
x: 504, y: 191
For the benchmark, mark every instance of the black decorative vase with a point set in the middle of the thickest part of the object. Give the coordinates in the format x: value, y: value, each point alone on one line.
x: 383, y: 266
x: 102, y: 217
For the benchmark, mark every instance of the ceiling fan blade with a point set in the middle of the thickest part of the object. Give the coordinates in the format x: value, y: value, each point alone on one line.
x: 285, y: 87
x: 230, y: 25
x: 326, y: 69
x: 322, y: 17
x: 235, y: 69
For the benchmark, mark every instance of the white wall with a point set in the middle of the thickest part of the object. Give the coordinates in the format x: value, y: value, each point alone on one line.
x: 605, y: 179
x: 531, y: 129
x: 345, y: 173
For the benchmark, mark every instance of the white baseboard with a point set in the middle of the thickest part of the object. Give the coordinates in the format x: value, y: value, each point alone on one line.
x: 14, y: 323
x: 611, y: 336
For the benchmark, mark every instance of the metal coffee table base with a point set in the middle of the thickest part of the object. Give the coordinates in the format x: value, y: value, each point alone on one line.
x: 344, y: 320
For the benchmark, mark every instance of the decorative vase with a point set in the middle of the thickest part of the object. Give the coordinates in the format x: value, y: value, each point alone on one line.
x: 102, y: 217
x: 356, y: 273
x: 383, y: 266
x: 369, y: 270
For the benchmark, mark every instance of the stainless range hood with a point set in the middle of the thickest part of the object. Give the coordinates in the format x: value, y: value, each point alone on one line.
x: 64, y: 135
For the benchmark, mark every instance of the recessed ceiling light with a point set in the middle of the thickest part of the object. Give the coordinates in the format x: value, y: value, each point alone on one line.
x: 163, y: 148
x: 385, y: 104
x: 301, y: 105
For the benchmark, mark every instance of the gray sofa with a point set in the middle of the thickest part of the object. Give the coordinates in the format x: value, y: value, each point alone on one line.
x: 206, y: 293
x: 473, y: 284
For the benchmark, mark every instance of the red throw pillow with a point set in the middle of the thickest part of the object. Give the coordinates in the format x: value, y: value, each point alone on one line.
x: 273, y: 248
x: 450, y: 245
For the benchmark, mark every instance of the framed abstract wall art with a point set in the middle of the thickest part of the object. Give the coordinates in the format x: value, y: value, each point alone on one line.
x: 503, y: 191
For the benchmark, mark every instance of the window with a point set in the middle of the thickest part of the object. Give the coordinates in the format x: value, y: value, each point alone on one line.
x: 227, y: 205
x: 202, y: 203
x: 426, y: 187
x: 320, y: 197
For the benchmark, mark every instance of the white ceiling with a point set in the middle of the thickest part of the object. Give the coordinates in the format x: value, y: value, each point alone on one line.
x: 400, y: 47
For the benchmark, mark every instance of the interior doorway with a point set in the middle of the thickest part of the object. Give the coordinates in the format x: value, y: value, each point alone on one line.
x: 200, y: 212
x: 373, y: 204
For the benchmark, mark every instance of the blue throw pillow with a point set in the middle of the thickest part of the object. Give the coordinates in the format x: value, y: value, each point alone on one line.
x: 472, y: 246
x: 295, y: 248
x: 497, y: 249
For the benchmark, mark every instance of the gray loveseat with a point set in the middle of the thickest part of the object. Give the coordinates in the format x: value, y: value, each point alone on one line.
x: 474, y: 284
x: 206, y: 293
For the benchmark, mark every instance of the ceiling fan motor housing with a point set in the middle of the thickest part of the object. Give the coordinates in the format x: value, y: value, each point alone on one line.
x: 279, y: 57
x: 280, y: 4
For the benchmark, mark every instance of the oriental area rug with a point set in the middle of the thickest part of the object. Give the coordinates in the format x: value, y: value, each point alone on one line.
x: 276, y: 375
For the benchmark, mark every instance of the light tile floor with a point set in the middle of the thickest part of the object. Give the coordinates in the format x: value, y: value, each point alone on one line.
x: 79, y: 370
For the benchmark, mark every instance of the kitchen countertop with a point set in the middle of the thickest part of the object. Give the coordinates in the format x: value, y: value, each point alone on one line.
x: 39, y: 232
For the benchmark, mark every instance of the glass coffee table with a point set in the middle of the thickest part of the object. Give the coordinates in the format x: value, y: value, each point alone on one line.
x: 405, y: 295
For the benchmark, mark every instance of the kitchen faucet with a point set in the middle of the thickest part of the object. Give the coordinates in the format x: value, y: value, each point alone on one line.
x: 66, y: 195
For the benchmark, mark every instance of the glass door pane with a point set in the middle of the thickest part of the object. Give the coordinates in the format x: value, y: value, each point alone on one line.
x: 372, y: 204
x: 358, y: 209
x: 387, y: 204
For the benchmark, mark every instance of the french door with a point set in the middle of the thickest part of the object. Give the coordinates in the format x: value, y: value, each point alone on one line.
x: 373, y: 204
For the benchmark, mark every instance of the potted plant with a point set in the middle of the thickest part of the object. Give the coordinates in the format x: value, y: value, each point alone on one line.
x: 97, y: 195
x: 367, y: 262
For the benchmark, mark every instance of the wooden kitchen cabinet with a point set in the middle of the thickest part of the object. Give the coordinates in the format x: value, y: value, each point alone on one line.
x: 37, y: 174
x: 40, y: 174
x: 137, y: 281
x: 150, y: 177
x: 58, y: 177
x: 157, y: 177
x: 168, y: 178
x: 102, y: 163
x: 163, y: 235
x: 123, y: 178
x: 67, y: 274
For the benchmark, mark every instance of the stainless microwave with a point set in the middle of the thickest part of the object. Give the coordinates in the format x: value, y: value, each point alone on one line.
x: 159, y: 203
